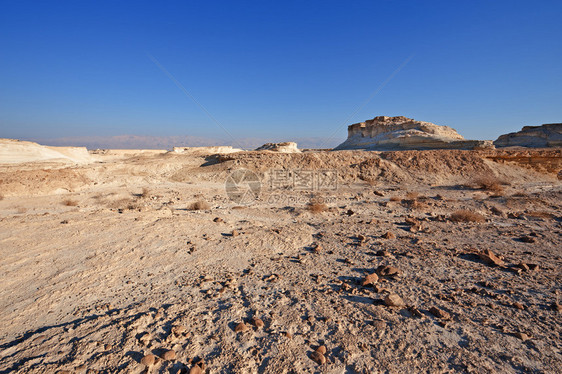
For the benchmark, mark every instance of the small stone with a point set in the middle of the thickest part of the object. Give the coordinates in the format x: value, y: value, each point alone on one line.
x: 241, y: 327
x: 393, y: 300
x: 556, y: 307
x: 370, y: 279
x: 107, y: 347
x: 383, y: 253
x: 387, y: 271
x: 379, y: 324
x: 518, y: 305
x: 415, y: 312
x: 195, y: 370
x: 389, y: 235
x: 521, y: 335
x: 523, y: 266
x: 218, y: 219
x: 322, y: 349
x: 318, y: 358
x: 235, y: 233
x: 178, y: 330
x: 361, y: 238
x: 258, y: 323
x: 288, y: 335
x: 439, y: 313
x: 490, y: 258
x: 148, y: 360
x: 350, y: 212
x: 527, y: 239
x: 169, y: 355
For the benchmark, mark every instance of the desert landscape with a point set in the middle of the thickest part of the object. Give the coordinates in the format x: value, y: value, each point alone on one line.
x: 281, y: 260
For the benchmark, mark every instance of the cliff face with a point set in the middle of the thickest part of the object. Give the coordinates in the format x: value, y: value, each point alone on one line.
x: 396, y: 133
x: 549, y: 135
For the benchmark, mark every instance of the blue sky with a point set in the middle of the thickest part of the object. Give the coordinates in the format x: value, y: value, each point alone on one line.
x: 276, y: 69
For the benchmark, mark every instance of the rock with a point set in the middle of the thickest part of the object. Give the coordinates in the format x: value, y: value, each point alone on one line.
x: 439, y: 313
x: 235, y: 233
x: 285, y: 147
x: 322, y: 349
x: 349, y: 212
x: 388, y: 235
x: 523, y: 266
x: 148, y: 360
x: 288, y: 335
x: 393, y: 300
x: 489, y: 258
x: 218, y: 219
x: 548, y: 135
x: 527, y: 239
x: 361, y: 238
x: 399, y: 133
x: 415, y: 312
x: 521, y: 336
x: 107, y: 347
x: 258, y: 323
x: 241, y: 327
x: 178, y: 330
x: 318, y: 357
x: 383, y: 252
x: 379, y: 324
x: 195, y: 370
x: 556, y: 307
x: 169, y: 355
x: 370, y: 279
x: 387, y: 271
x: 518, y: 305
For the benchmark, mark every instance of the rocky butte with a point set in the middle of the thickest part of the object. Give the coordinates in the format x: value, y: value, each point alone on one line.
x: 548, y: 135
x: 384, y: 133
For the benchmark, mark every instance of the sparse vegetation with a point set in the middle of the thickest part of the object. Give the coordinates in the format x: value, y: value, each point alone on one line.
x: 395, y: 198
x: 70, y: 202
x: 317, y: 207
x: 488, y: 183
x: 467, y: 216
x: 199, y: 205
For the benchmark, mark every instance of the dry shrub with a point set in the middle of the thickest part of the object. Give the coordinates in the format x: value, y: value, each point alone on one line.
x: 466, y: 216
x: 395, y: 198
x: 414, y: 204
x: 316, y: 207
x: 412, y: 195
x: 70, y: 202
x: 488, y: 183
x: 124, y: 204
x: 199, y: 205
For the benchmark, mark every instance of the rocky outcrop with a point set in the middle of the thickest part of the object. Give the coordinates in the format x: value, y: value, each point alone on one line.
x: 207, y: 150
x: 285, y: 147
x: 548, y: 135
x: 400, y: 133
x: 14, y: 151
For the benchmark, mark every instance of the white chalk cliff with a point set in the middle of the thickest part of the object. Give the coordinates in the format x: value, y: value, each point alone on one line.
x: 399, y: 133
x: 285, y: 147
x: 549, y: 135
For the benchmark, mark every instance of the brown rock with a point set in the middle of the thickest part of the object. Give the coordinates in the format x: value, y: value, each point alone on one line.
x: 361, y: 238
x: 258, y: 323
x: 169, y: 355
x: 489, y: 258
x: 178, y: 330
x: 393, y: 300
x: 241, y: 327
x: 523, y: 266
x: 387, y: 271
x: 195, y: 370
x: 288, y: 335
x: 389, y: 235
x: 527, y: 239
x: 521, y: 335
x: 439, y: 313
x: 322, y: 349
x: 218, y: 219
x: 383, y: 252
x: 148, y: 360
x: 556, y: 307
x: 379, y: 324
x: 370, y: 279
x: 518, y: 305
x: 235, y: 233
x: 318, y: 358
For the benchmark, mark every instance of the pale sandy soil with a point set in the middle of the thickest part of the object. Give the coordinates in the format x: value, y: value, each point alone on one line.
x: 102, y: 262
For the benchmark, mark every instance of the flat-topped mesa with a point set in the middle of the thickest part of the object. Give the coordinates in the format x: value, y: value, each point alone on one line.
x: 401, y: 133
x: 545, y: 136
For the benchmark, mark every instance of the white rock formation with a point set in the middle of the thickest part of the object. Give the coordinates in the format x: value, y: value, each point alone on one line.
x: 399, y: 133
x: 548, y: 135
x: 13, y: 151
x: 285, y: 147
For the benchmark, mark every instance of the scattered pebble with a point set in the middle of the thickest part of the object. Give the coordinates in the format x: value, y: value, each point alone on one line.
x: 195, y: 370
x: 387, y: 271
x: 258, y: 323
x: 322, y: 349
x: 522, y: 336
x: 169, y: 355
x: 388, y: 235
x: 218, y: 219
x: 148, y: 360
x: 556, y: 307
x: 241, y: 327
x: 393, y: 300
x: 490, y: 258
x: 318, y: 357
x: 370, y: 279
x: 518, y: 305
x: 439, y: 313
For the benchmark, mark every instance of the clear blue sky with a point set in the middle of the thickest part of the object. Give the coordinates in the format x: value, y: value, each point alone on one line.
x: 286, y: 68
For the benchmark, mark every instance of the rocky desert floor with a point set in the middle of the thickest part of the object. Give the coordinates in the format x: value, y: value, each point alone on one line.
x: 414, y: 261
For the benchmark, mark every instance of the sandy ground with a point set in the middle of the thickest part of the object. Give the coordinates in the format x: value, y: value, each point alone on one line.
x: 105, y: 263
